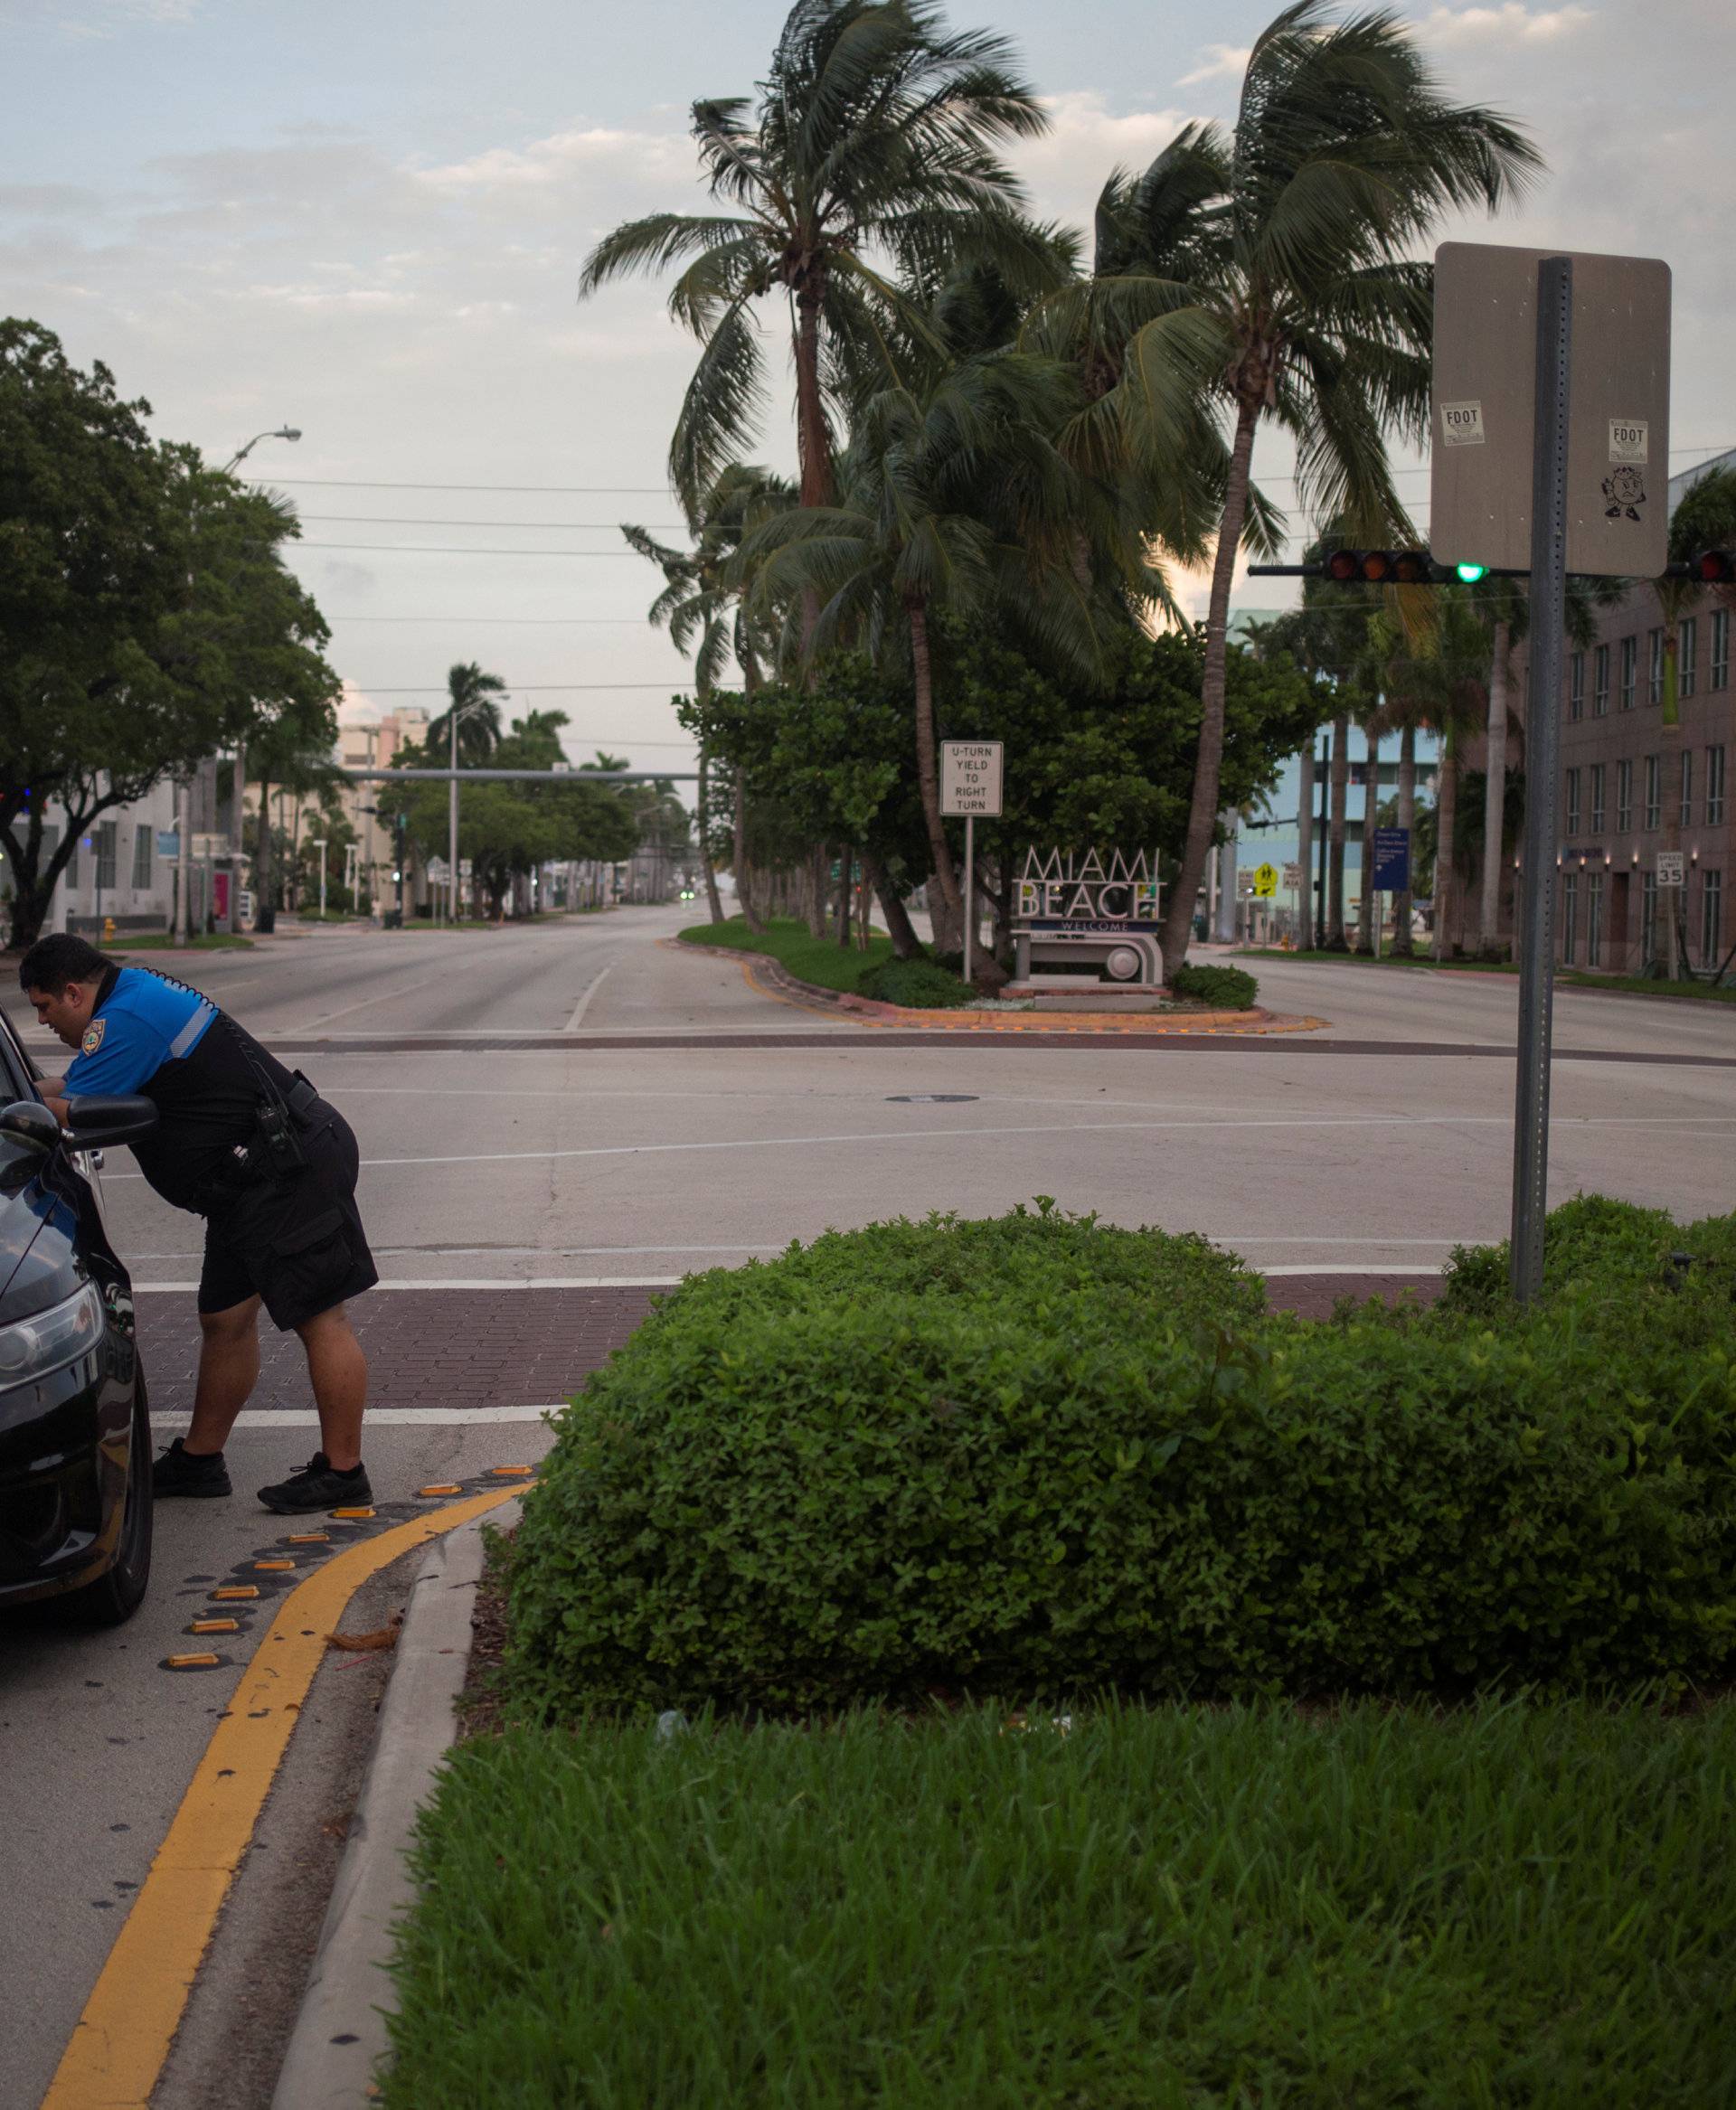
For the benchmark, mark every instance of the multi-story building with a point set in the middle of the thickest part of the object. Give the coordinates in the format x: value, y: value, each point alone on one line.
x: 1612, y: 809
x: 119, y: 874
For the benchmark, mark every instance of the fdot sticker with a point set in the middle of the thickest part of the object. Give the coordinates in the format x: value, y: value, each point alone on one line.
x: 1461, y: 424
x: 1629, y: 439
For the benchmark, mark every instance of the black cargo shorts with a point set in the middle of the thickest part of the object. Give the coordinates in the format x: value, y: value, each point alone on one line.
x: 296, y: 1242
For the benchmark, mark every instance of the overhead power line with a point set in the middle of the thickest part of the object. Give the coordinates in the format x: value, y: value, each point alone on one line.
x: 662, y: 527
x: 520, y: 688
x: 455, y: 549
x: 632, y: 622
x: 362, y: 484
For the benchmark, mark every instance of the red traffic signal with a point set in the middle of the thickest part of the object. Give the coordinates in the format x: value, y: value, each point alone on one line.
x: 1378, y: 567
x: 1713, y: 567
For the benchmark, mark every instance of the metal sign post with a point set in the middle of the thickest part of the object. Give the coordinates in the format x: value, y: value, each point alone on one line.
x: 1523, y: 481
x: 1542, y: 725
x: 970, y: 784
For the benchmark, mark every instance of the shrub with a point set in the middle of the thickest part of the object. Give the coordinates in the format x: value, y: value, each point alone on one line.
x: 1223, y: 988
x: 920, y: 984
x: 812, y: 1483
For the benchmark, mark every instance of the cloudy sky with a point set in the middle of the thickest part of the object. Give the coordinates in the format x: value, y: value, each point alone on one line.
x: 368, y: 222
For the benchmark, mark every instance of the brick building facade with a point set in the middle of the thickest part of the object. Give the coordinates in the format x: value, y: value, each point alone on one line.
x: 1611, y: 796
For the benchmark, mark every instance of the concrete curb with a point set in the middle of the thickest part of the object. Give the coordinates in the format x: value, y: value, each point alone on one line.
x: 340, y: 2032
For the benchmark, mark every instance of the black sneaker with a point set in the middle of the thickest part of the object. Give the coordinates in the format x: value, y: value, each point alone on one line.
x: 317, y: 1487
x: 179, y: 1471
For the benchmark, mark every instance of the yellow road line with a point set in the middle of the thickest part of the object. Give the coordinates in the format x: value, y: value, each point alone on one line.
x: 123, y: 2037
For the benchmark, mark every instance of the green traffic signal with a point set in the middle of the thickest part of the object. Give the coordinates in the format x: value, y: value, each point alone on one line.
x: 1468, y: 574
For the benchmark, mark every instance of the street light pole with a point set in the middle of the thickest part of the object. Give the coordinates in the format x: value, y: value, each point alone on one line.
x: 319, y: 843
x: 239, y: 816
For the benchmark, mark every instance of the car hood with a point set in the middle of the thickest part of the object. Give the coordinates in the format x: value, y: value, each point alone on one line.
x: 38, y: 1231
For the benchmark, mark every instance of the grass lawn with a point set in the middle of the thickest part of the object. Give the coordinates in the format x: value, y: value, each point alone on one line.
x: 1512, y: 1903
x: 1575, y: 977
x: 787, y: 939
x: 157, y: 941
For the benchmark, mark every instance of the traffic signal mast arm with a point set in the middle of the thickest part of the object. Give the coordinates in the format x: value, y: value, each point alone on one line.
x: 1416, y: 568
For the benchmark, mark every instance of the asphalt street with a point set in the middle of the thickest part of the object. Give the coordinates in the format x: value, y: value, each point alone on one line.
x: 556, y: 1120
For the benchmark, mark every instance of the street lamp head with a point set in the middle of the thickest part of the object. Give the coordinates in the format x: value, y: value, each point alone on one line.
x: 287, y: 432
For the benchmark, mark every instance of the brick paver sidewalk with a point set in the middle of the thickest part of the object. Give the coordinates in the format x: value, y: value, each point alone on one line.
x: 513, y: 1347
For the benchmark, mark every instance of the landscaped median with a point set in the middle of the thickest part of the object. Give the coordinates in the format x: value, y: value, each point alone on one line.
x: 998, y: 1663
x: 881, y: 989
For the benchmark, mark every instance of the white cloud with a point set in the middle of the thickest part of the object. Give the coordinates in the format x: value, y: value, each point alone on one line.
x: 1069, y: 165
x: 1223, y: 62
x: 564, y: 158
x: 1456, y: 28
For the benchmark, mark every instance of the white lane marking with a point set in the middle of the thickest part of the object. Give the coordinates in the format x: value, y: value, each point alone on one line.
x: 1303, y: 1268
x: 388, y: 1416
x: 584, y: 1004
x: 1497, y: 1121
x: 470, y: 1282
x: 383, y: 996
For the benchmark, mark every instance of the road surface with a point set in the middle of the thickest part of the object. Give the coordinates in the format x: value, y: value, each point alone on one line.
x: 554, y: 1121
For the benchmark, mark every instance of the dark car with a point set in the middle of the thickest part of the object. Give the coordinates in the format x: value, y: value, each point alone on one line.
x: 75, y: 1433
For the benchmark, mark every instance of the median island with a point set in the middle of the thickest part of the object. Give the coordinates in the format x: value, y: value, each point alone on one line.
x: 1002, y: 1662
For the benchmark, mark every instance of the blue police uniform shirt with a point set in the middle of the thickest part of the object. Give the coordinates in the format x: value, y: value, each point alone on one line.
x: 152, y: 1035
x: 143, y: 1022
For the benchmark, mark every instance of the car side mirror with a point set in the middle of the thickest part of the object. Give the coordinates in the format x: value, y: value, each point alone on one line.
x: 92, y: 1124
x: 28, y: 1121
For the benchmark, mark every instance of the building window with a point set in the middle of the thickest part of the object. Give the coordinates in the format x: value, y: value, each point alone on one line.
x: 1712, y: 918
x: 1687, y: 788
x: 1654, y: 791
x: 142, y: 847
x: 1576, y: 687
x: 1570, y: 916
x: 1714, y: 786
x: 1600, y: 682
x: 1597, y: 798
x: 1593, y: 918
x: 72, y: 864
x: 1624, y: 797
x: 1573, y: 802
x: 107, y: 858
x: 1687, y: 654
x: 1629, y: 670
x: 1654, y: 666
x: 1718, y: 673
x: 1648, y: 918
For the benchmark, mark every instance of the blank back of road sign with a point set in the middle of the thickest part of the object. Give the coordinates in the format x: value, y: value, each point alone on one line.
x: 1484, y: 398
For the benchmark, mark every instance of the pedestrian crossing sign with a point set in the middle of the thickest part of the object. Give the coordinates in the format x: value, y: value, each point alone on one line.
x: 1265, y: 881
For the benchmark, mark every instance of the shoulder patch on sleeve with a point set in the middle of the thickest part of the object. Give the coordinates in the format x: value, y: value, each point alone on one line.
x: 92, y: 1039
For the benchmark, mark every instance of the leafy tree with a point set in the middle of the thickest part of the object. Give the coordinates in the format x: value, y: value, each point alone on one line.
x: 507, y: 829
x: 1087, y: 765
x: 146, y: 618
x: 873, y: 136
x: 1288, y: 293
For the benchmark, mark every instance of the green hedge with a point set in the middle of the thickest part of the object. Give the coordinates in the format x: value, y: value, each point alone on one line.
x: 1223, y: 988
x: 1038, y: 1457
x: 922, y: 984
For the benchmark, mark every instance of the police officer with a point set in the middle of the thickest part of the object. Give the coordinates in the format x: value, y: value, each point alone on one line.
x: 251, y: 1147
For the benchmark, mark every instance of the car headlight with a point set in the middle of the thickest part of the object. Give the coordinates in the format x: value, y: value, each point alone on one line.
x: 48, y: 1340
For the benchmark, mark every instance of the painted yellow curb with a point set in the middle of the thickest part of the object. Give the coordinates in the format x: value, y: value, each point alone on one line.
x: 123, y: 2037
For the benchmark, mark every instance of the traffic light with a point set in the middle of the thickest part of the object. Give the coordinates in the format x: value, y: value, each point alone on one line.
x: 1468, y: 574
x: 1378, y: 567
x: 1713, y: 567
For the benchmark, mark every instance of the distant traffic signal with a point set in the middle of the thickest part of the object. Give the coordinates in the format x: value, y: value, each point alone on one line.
x: 1378, y: 567
x: 1713, y: 567
x: 1468, y: 574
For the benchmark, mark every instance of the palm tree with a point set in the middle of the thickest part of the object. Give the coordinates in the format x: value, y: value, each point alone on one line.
x: 1292, y: 295
x: 874, y: 135
x: 955, y: 499
x: 1705, y: 520
x: 471, y: 693
x: 700, y: 605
